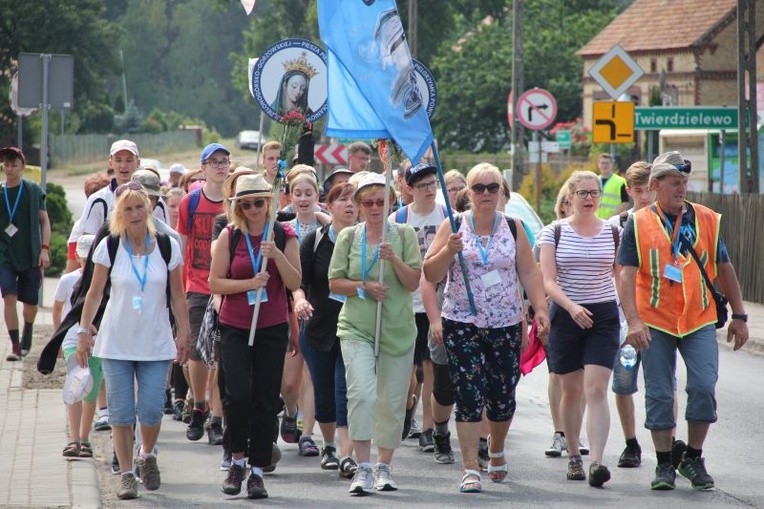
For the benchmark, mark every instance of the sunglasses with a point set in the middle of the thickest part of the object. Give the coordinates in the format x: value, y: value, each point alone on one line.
x: 482, y: 188
x: 132, y: 186
x: 379, y: 202
x: 246, y: 205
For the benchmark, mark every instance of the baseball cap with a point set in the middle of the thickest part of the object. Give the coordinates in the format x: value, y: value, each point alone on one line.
x: 211, y: 149
x: 178, y: 168
x: 83, y: 245
x: 124, y: 145
x: 78, y: 383
x: 149, y: 180
x: 13, y: 152
x: 670, y: 163
x: 419, y: 171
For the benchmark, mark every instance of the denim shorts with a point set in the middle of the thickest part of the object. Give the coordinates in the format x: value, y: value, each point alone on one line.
x: 121, y: 376
x: 96, y: 371
x: 25, y: 284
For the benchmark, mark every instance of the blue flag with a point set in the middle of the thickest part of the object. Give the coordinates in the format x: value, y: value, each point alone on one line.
x: 371, y: 84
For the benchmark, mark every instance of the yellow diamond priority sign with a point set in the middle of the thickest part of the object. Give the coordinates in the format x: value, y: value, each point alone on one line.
x: 616, y: 71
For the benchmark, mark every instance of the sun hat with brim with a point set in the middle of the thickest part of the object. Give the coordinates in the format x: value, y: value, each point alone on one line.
x: 78, y: 383
x: 371, y: 179
x: 149, y: 180
x: 251, y: 185
x: 670, y: 163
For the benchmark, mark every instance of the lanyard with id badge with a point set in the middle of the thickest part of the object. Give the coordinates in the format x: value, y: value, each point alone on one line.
x: 491, y: 278
x: 673, y: 272
x: 11, y: 229
x: 335, y: 296
x: 252, y: 294
x: 138, y: 299
x: 364, y: 271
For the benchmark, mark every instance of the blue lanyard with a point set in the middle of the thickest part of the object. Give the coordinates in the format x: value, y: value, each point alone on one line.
x: 673, y: 231
x: 332, y: 235
x: 484, y: 250
x: 12, y: 212
x: 364, y: 271
x: 256, y: 262
x: 297, y: 227
x: 141, y: 279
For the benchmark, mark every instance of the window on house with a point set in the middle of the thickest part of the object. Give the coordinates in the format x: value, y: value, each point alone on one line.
x: 670, y: 65
x: 653, y: 65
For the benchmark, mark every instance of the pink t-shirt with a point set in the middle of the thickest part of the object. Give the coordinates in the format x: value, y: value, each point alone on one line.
x: 236, y: 310
x: 198, y: 256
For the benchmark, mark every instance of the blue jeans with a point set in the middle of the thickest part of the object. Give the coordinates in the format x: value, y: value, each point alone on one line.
x: 700, y: 353
x: 327, y: 370
x: 120, y: 379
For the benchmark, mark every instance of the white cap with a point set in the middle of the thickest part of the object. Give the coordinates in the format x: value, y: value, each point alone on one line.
x: 79, y: 381
x: 370, y: 179
x: 83, y: 245
x: 178, y: 168
x: 124, y: 145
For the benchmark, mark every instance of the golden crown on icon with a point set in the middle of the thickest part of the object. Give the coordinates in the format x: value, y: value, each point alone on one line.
x: 301, y: 64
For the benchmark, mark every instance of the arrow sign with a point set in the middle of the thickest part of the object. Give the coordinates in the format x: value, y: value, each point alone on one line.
x: 536, y: 109
x: 334, y: 153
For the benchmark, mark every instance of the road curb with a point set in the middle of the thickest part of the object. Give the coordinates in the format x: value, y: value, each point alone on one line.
x: 754, y: 345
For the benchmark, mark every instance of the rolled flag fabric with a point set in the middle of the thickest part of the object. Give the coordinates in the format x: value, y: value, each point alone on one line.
x: 371, y: 83
x: 248, y: 5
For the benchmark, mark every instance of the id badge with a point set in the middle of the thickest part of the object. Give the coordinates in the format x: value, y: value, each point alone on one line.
x: 11, y: 230
x: 339, y: 298
x: 361, y: 292
x: 137, y: 303
x: 252, y: 297
x: 672, y: 273
x: 491, y: 278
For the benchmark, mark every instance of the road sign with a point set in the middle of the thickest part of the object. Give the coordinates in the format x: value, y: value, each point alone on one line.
x: 533, y: 157
x: 564, y: 138
x: 536, y: 109
x: 333, y: 153
x: 550, y: 147
x: 60, y: 76
x: 616, y: 71
x: 613, y: 122
x: 693, y: 117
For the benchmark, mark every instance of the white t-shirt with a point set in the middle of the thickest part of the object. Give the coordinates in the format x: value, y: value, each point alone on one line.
x: 64, y: 289
x: 76, y: 231
x: 128, y: 334
x: 425, y: 227
x: 97, y: 210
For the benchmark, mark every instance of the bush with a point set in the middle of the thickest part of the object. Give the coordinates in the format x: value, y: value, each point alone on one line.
x: 58, y: 252
x: 58, y: 210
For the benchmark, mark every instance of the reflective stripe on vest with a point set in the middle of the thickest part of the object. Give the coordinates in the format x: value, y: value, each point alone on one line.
x: 611, y: 196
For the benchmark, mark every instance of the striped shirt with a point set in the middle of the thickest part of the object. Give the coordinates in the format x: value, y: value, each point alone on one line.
x: 584, y: 264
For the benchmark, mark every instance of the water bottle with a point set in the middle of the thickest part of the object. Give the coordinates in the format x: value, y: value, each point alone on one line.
x: 628, y: 356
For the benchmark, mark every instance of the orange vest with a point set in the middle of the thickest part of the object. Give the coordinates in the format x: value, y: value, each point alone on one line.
x: 675, y: 308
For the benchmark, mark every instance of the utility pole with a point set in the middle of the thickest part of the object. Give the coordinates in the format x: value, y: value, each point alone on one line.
x: 748, y: 137
x: 124, y: 81
x: 517, y: 89
x: 413, y: 23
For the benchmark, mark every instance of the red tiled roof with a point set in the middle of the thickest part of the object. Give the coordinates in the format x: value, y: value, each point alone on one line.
x: 649, y: 25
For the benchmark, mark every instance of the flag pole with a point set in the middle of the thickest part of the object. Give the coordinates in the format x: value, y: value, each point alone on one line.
x: 386, y: 147
x: 276, y: 192
x: 449, y: 211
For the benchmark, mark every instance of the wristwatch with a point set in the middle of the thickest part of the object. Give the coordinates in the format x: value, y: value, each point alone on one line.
x: 736, y: 316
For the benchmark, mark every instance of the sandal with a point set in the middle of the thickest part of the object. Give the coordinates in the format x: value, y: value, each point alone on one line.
x: 72, y: 450
x: 348, y: 467
x: 307, y: 447
x: 497, y: 473
x: 86, y: 450
x: 471, y: 482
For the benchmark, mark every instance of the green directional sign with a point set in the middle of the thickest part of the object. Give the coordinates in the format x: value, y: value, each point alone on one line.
x: 689, y: 117
x: 564, y: 139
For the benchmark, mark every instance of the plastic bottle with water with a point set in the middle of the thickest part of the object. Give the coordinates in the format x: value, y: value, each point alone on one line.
x: 627, y: 355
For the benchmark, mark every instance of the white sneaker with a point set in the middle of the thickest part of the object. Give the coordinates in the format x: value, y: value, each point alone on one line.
x: 363, y: 481
x: 102, y: 423
x: 383, y: 478
x: 582, y: 448
x: 559, y: 445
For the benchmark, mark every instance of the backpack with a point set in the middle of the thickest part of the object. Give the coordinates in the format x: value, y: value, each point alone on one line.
x: 193, y: 203
x: 558, y: 232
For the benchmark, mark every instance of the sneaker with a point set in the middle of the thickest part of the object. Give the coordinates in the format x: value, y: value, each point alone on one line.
x: 582, y: 448
x: 187, y: 410
x: 128, y: 486
x: 195, y: 429
x: 363, y: 481
x: 177, y: 410
x: 214, y: 432
x: 348, y: 467
x: 416, y: 429
x: 329, y: 459
x: 232, y: 482
x: 256, y: 487
x: 426, y: 442
x: 168, y: 408
x: 102, y: 424
x: 677, y: 451
x: 288, y: 430
x: 665, y: 476
x: 150, y: 472
x: 227, y: 460
x: 15, y: 354
x: 407, y: 420
x: 484, y: 460
x: 24, y: 352
x: 576, y: 469
x: 559, y: 444
x: 307, y: 447
x: 598, y: 475
x: 630, y: 458
x: 443, y: 453
x: 383, y: 478
x: 114, y: 464
x: 695, y: 471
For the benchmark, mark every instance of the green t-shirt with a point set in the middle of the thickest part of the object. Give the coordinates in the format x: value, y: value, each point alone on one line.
x: 358, y: 316
x: 22, y: 251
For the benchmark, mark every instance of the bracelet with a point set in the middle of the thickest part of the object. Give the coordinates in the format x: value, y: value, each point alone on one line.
x: 736, y: 316
x: 46, y: 247
x: 82, y: 330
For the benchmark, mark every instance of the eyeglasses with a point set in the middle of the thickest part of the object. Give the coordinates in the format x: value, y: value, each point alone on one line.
x: 379, y: 202
x: 132, y: 186
x: 218, y: 163
x: 246, y: 205
x: 482, y: 188
x: 594, y: 193
x: 424, y: 186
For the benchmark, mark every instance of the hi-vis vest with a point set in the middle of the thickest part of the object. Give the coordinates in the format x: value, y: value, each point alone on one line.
x: 675, y: 308
x: 611, y: 196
